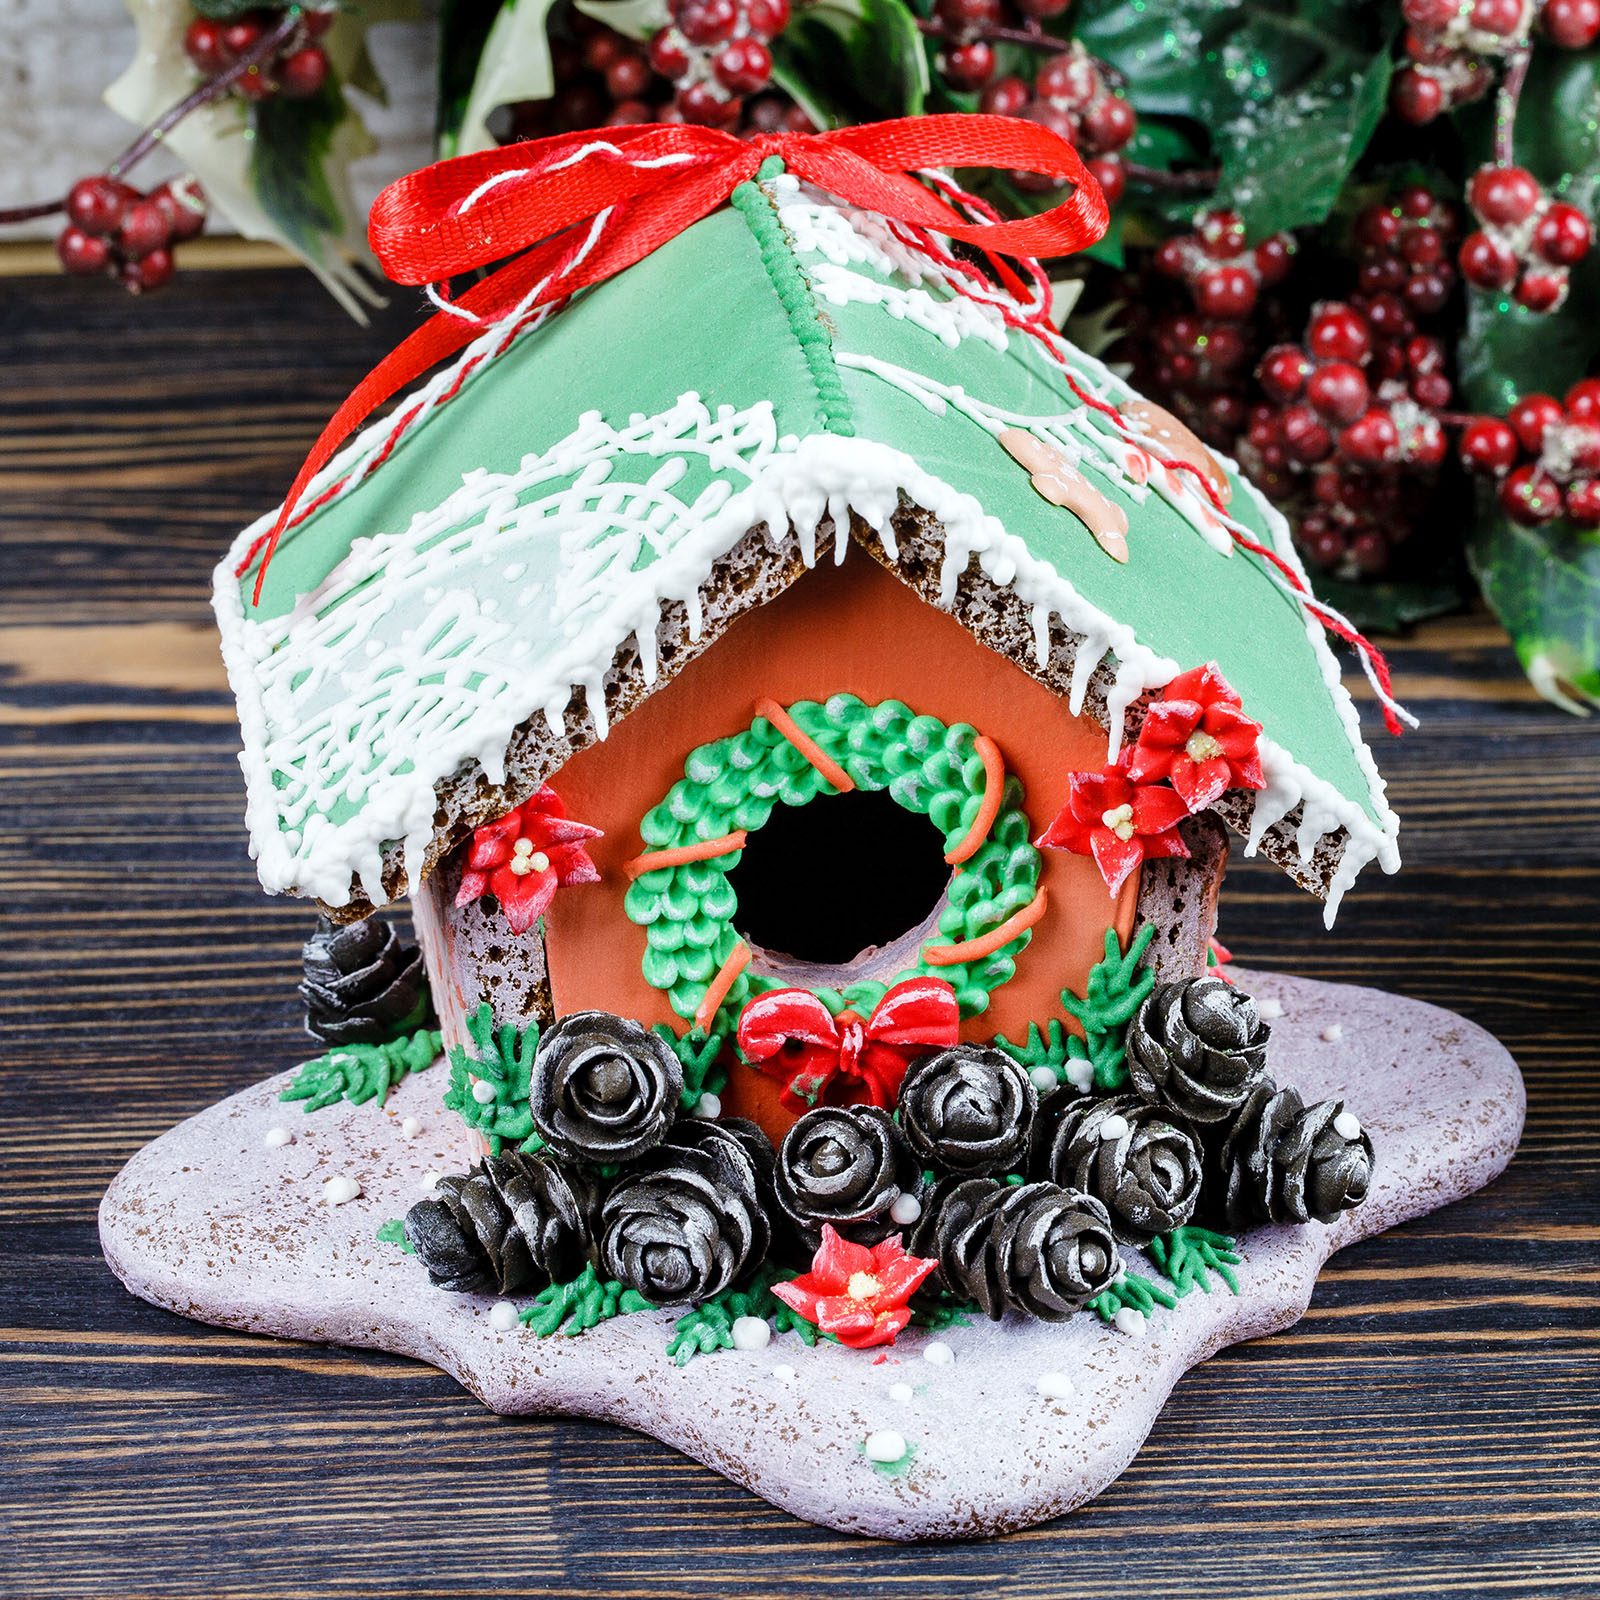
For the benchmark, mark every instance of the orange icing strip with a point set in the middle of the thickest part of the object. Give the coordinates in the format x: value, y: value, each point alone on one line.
x: 806, y: 745
x: 679, y: 855
x: 994, y: 782
x: 727, y: 976
x: 946, y: 955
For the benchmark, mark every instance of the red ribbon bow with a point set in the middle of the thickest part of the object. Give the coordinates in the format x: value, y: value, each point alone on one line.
x: 636, y: 188
x: 790, y: 1034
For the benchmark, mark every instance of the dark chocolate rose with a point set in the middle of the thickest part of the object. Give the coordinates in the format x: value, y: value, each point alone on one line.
x: 968, y: 1109
x: 1197, y: 1047
x: 603, y: 1089
x: 690, y: 1220
x: 845, y: 1165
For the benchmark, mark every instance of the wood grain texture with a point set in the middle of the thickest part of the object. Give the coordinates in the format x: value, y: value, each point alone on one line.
x: 1431, y: 1427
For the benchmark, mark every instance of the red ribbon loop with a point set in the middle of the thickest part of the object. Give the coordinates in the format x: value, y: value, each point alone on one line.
x: 572, y: 210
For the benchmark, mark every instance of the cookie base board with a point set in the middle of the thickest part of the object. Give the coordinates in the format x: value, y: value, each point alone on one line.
x: 210, y: 1222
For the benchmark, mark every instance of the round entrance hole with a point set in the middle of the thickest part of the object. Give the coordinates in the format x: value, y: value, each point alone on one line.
x: 824, y: 882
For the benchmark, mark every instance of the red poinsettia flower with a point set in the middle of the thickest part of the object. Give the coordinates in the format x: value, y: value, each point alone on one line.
x: 1118, y: 822
x: 526, y: 856
x: 1197, y: 738
x: 856, y: 1294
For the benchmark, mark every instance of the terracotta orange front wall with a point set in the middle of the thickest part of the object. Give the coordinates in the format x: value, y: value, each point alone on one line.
x: 844, y: 629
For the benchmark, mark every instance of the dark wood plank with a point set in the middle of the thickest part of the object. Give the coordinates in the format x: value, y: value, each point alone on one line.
x: 1430, y: 1428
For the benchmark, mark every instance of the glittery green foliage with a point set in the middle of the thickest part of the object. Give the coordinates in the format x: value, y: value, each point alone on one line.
x: 362, y: 1072
x: 1116, y: 988
x: 1189, y: 1255
x: 394, y: 1232
x: 697, y: 1054
x: 579, y: 1304
x: 709, y: 1326
x: 503, y: 1059
x: 1048, y: 1049
x: 689, y: 912
x: 1134, y: 1292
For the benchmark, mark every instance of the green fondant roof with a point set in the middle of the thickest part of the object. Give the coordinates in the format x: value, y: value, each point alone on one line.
x: 522, y: 530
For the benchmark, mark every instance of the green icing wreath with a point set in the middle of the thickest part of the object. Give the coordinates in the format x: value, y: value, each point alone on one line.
x: 928, y: 766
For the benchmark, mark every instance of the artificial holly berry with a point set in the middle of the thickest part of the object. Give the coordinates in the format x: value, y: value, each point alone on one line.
x: 714, y: 53
x: 1452, y: 48
x: 1073, y: 96
x: 1572, y: 24
x: 1404, y: 246
x: 116, y: 230
x: 82, y: 254
x: 1528, y: 241
x: 1545, y: 453
x: 97, y: 204
x: 1223, y: 274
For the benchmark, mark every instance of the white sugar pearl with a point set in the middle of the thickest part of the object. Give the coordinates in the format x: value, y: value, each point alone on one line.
x: 410, y: 1127
x: 886, y: 1446
x: 751, y: 1333
x: 708, y: 1106
x: 276, y: 1138
x: 483, y: 1091
x: 784, y: 1374
x: 1129, y: 1321
x: 1054, y: 1385
x: 1114, y: 1127
x: 502, y: 1316
x: 1043, y: 1079
x: 336, y: 1191
x: 1080, y: 1074
x: 1347, y: 1125
x: 903, y: 1392
x: 906, y: 1209
x: 939, y: 1353
x: 1333, y: 1033
x: 1270, y: 1008
x: 430, y: 1181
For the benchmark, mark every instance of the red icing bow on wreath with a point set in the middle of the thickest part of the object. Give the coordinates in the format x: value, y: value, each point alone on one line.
x: 575, y: 209
x: 789, y: 1034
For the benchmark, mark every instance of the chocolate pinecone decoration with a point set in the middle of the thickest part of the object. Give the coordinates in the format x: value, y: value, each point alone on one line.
x: 1198, y: 1048
x: 509, y: 1226
x: 845, y: 1165
x: 604, y: 1089
x: 692, y: 1219
x: 1285, y: 1161
x: 1031, y: 1247
x: 1144, y: 1169
x: 362, y: 985
x: 968, y: 1110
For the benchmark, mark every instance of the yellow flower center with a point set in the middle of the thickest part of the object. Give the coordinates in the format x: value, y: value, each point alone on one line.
x: 525, y: 859
x: 862, y: 1286
x: 1202, y: 747
x: 1119, y: 819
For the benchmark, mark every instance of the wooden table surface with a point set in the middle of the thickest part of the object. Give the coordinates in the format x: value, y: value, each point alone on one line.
x: 1430, y: 1428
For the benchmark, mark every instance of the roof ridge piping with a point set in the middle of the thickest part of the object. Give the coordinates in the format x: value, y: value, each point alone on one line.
x: 793, y: 289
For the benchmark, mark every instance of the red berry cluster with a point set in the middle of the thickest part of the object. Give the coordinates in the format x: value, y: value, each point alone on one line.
x: 1404, y: 247
x: 968, y: 61
x: 113, y: 228
x: 1450, y: 48
x: 1527, y: 243
x: 297, y: 69
x: 1545, y: 453
x: 1072, y: 96
x: 1224, y: 275
x: 715, y: 53
x: 1354, y: 410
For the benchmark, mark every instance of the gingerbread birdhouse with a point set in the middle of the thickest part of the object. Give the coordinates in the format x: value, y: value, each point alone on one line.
x: 793, y: 645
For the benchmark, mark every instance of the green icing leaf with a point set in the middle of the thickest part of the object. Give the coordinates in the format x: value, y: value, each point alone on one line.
x: 1544, y: 585
x: 505, y: 1062
x: 580, y: 1304
x: 697, y: 1054
x: 1115, y: 989
x: 709, y: 1326
x: 362, y: 1072
x: 394, y: 1232
x: 1188, y: 1255
x: 1134, y: 1292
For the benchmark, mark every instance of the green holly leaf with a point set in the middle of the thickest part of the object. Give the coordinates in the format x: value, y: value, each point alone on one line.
x: 1390, y: 607
x: 848, y: 61
x: 511, y: 63
x: 1544, y: 585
